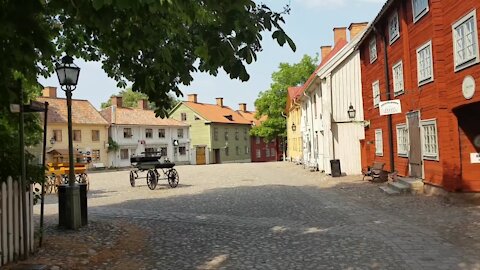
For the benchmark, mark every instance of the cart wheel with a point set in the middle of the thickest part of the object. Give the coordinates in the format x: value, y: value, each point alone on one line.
x: 173, y: 178
x: 132, y: 179
x: 83, y: 179
x: 151, y: 179
x: 47, y: 185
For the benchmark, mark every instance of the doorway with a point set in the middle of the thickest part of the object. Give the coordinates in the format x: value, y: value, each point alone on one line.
x: 200, y: 155
x: 216, y: 153
x: 415, y: 143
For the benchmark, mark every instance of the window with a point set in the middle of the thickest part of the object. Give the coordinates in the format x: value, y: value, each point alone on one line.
x: 378, y: 142
x: 315, y: 105
x: 259, y: 153
x: 226, y: 151
x: 57, y: 135
x: 183, y: 116
x: 372, y: 46
x: 95, y: 135
x: 420, y: 8
x: 246, y: 149
x: 245, y: 133
x: 425, y: 64
x: 161, y: 133
x: 402, y: 140
x: 398, y: 87
x: 267, y: 152
x: 376, y: 93
x: 123, y: 153
x: 148, y: 133
x: 236, y: 134
x: 215, y: 134
x: 180, y: 133
x: 465, y: 41
x: 393, y: 28
x: 149, y: 150
x: 273, y: 152
x: 127, y: 133
x: 226, y: 134
x: 163, y: 151
x: 196, y: 117
x: 237, y: 150
x: 430, y: 140
x: 77, y: 135
x: 182, y: 150
x: 95, y: 155
x: 257, y: 140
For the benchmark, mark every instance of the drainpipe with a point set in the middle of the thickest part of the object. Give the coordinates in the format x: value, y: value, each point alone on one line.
x: 389, y: 97
x: 332, y: 120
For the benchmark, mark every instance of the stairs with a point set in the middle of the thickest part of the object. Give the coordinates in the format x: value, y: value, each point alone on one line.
x: 403, y: 185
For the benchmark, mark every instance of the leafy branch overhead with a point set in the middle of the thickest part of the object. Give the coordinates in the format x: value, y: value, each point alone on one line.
x: 158, y: 44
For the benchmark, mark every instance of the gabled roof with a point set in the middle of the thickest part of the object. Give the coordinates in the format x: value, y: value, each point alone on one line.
x: 294, y: 91
x: 217, y: 114
x: 379, y: 16
x: 83, y: 111
x: 250, y: 116
x: 138, y: 117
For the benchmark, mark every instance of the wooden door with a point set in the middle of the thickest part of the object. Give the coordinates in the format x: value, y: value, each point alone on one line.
x: 200, y: 155
x: 415, y: 152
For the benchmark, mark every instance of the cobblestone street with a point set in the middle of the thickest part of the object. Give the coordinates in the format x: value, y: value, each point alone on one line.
x: 263, y: 216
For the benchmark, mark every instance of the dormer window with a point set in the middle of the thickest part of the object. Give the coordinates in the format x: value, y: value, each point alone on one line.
x: 229, y: 117
x: 372, y: 47
x: 393, y: 28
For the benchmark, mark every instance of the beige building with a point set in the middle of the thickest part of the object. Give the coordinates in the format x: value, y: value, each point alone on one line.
x: 90, y: 130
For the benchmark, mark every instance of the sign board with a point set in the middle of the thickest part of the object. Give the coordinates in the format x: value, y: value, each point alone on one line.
x: 474, y: 157
x: 390, y: 107
x: 468, y: 87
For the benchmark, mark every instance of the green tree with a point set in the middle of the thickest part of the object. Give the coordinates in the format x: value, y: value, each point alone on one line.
x: 272, y: 102
x: 130, y: 99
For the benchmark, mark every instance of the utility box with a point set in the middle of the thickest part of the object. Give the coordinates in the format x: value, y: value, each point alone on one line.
x: 335, y: 168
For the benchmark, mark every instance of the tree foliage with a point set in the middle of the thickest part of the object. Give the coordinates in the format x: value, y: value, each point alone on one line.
x: 272, y: 102
x: 130, y: 100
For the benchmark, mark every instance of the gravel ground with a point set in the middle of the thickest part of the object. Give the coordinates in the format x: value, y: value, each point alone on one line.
x: 260, y: 216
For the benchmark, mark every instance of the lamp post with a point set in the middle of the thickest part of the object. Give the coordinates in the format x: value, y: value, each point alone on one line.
x: 68, y: 73
x: 351, y: 112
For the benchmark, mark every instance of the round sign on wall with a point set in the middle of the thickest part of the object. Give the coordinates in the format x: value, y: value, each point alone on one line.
x: 468, y: 87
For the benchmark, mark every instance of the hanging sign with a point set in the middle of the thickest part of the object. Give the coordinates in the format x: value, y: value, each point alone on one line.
x: 390, y: 107
x: 474, y: 157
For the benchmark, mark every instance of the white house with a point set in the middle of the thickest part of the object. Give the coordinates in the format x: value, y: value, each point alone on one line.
x: 333, y: 90
x: 138, y: 130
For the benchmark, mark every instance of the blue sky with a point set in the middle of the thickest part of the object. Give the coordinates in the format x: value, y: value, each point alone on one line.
x: 309, y: 24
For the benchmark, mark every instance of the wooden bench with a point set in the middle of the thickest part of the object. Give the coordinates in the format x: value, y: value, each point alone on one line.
x: 376, y: 172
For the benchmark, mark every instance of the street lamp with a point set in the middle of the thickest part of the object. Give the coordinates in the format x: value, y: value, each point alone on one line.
x: 52, y: 140
x: 67, y: 73
x: 351, y: 112
x: 294, y: 127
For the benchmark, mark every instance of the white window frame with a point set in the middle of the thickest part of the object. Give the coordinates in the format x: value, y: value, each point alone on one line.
x: 427, y: 152
x: 402, y: 130
x: 475, y: 58
x: 372, y: 49
x: 417, y: 15
x: 376, y: 93
x: 393, y: 34
x: 425, y: 80
x: 398, y: 81
x: 258, y: 153
x: 379, y: 142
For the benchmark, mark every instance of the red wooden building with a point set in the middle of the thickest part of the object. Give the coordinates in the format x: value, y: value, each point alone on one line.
x: 261, y: 151
x: 425, y: 53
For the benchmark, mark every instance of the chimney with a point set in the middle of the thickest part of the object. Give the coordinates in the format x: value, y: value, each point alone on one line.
x: 50, y: 92
x: 242, y: 107
x: 339, y: 33
x: 142, y: 104
x: 325, y: 51
x: 219, y: 101
x: 117, y: 101
x: 356, y: 28
x: 192, y: 98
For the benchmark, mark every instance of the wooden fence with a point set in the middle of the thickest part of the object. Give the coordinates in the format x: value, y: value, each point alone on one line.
x: 11, y: 222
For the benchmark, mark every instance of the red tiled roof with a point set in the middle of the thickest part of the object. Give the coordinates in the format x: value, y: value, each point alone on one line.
x: 294, y: 91
x: 139, y: 117
x: 83, y: 111
x: 216, y: 114
x: 250, y: 116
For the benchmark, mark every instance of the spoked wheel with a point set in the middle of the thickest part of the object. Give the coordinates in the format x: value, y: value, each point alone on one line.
x: 83, y: 179
x: 173, y: 178
x: 151, y: 179
x: 132, y: 179
x: 48, y: 185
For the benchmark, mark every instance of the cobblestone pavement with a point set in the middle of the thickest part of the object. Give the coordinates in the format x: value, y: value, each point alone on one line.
x: 262, y: 216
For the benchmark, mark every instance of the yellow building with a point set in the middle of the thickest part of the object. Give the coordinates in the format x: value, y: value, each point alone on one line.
x: 294, y: 134
x: 90, y: 130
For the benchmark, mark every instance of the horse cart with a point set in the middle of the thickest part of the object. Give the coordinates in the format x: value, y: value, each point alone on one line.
x: 57, y: 174
x: 156, y: 170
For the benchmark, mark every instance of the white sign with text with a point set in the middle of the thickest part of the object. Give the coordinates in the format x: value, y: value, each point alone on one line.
x: 390, y: 107
x: 474, y: 157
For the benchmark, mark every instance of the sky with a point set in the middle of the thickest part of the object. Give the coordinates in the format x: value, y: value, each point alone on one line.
x: 310, y: 24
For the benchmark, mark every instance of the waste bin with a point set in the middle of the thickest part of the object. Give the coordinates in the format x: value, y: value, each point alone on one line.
x: 335, y: 167
x: 62, y: 205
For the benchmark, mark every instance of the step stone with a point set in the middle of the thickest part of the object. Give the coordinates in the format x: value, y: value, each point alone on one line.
x: 400, y: 187
x: 388, y: 190
x: 416, y: 185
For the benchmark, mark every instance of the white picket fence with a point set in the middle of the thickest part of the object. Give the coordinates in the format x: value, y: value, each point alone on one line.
x: 11, y: 222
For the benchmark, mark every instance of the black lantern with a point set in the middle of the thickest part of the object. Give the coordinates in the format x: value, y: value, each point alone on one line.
x: 67, y: 74
x: 351, y: 112
x: 52, y: 140
x: 294, y: 127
